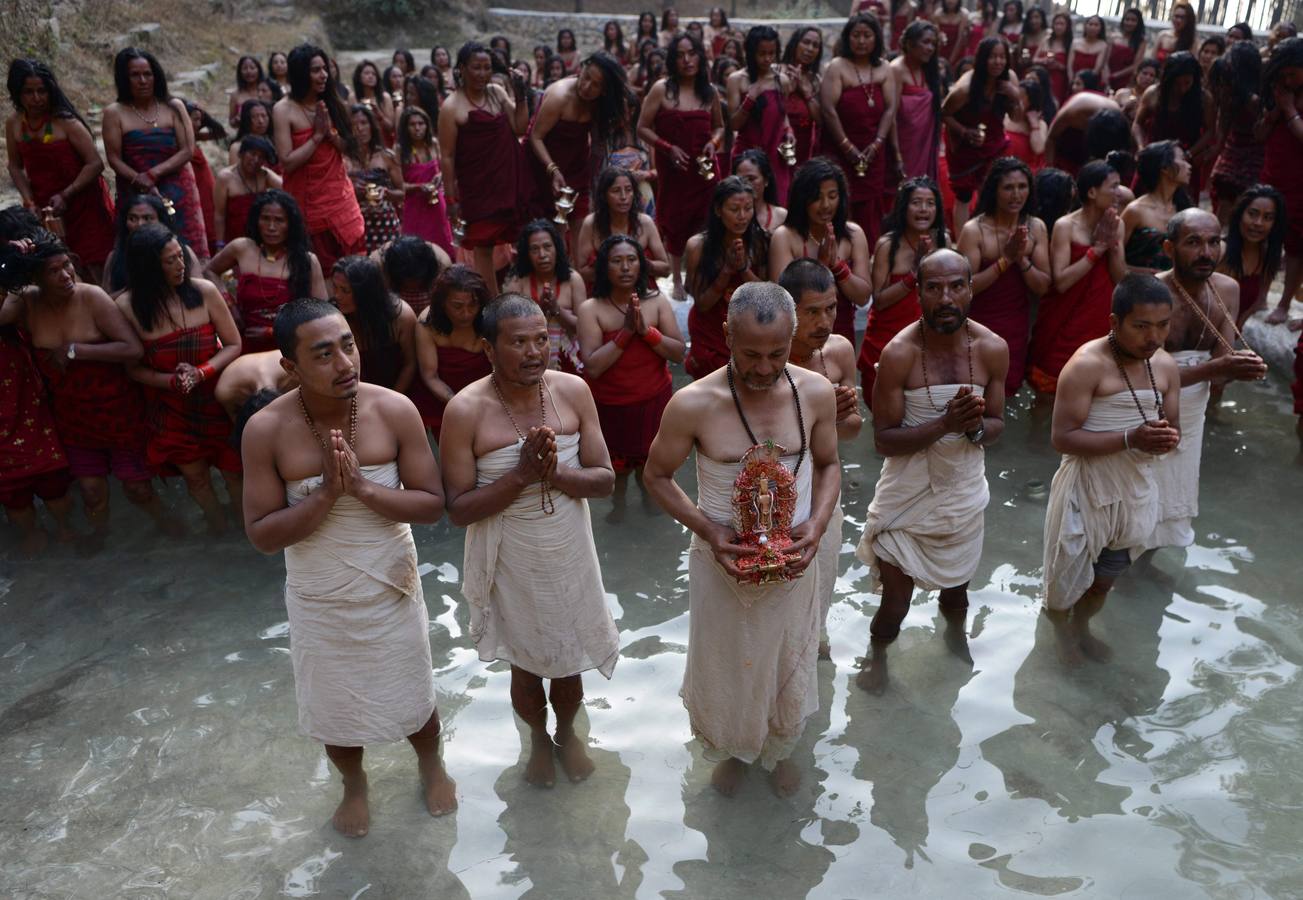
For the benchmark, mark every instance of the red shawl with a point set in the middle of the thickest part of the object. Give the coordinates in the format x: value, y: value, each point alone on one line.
x: 186, y: 428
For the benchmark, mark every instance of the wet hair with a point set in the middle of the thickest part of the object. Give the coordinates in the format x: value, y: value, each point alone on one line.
x: 701, y: 85
x: 1153, y: 160
x: 1287, y: 55
x: 118, y: 272
x: 1005, y: 165
x: 408, y: 59
x: 1054, y: 195
x: 760, y: 160
x: 844, y: 42
x: 1090, y: 80
x: 300, y: 68
x: 360, y: 90
x: 60, y: 106
x: 763, y: 301
x: 18, y: 269
x: 216, y: 130
x: 1243, y: 71
x: 404, y: 137
x: 717, y: 73
x: 712, y: 246
x: 1185, y: 39
x: 524, y: 266
x: 256, y: 402
x: 246, y: 118
x: 1233, y: 258
x: 1137, y: 37
x: 789, y: 52
x: 407, y: 257
x: 602, y: 268
x: 1108, y: 137
x: 122, y: 81
x: 145, y: 278
x: 804, y: 190
x: 894, y: 224
x: 239, y: 82
x: 1177, y: 66
x: 977, y: 86
x: 427, y: 96
x: 377, y: 310
x: 374, y: 143
x: 723, y: 16
x: 613, y: 44
x: 18, y: 222
x: 805, y: 276
x: 1103, y: 29
x: 1090, y: 176
x: 613, y: 107
x: 602, y: 209
x: 757, y: 35
x: 504, y: 306
x: 457, y: 277
x: 298, y: 312
x: 1049, y: 106
x: 1139, y: 289
x: 931, y: 69
x: 261, y: 144
x: 298, y: 246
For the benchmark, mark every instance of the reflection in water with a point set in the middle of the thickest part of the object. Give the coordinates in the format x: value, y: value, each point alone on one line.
x: 147, y: 726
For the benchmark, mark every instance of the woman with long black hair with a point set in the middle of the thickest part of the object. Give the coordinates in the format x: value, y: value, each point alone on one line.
x: 1282, y: 129
x: 1126, y: 49
x: 248, y: 75
x: 973, y: 113
x: 1255, y: 240
x: 1236, y: 81
x: 382, y: 324
x: 1179, y: 109
x: 756, y: 102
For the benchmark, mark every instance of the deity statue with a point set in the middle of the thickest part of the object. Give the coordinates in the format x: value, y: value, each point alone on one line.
x: 764, y: 501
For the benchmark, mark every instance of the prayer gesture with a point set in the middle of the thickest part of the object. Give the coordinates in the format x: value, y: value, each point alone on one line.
x: 351, y: 481
x: 847, y: 401
x: 1105, y: 234
x: 964, y: 413
x: 321, y: 120
x: 547, y: 302
x: 1155, y: 438
x: 924, y: 247
x: 639, y: 323
x: 1016, y: 247
x: 726, y: 551
x: 1243, y: 365
x: 827, y: 252
x: 537, y: 455
x: 186, y: 378
x: 735, y: 256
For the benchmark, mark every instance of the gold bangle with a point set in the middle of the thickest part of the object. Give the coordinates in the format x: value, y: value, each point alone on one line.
x: 553, y: 168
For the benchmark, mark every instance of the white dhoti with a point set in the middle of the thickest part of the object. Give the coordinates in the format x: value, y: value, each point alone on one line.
x: 533, y: 581
x: 827, y: 565
x: 928, y: 511
x: 750, y: 681
x: 1176, y: 475
x: 359, y: 632
x: 1099, y: 503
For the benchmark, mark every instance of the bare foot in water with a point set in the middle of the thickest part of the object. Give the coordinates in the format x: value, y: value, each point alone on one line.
x: 785, y: 778
x: 1069, y: 647
x: 540, y: 770
x: 825, y: 651
x: 1093, y: 647
x: 1277, y: 316
x: 353, y: 818
x: 34, y: 543
x: 574, y: 758
x: 440, y: 790
x: 727, y: 776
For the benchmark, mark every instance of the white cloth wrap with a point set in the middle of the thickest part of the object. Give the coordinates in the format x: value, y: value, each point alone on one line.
x: 750, y: 681
x: 359, y: 631
x: 1177, y: 473
x: 827, y: 560
x: 1099, y: 502
x: 927, y: 516
x: 533, y: 580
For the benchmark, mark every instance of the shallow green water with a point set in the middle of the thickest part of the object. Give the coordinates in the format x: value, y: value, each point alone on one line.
x: 148, y: 735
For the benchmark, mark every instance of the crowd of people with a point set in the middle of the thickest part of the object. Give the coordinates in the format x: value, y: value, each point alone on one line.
x: 471, y: 253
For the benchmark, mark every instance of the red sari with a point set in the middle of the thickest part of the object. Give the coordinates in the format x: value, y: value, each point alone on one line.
x: 916, y: 124
x: 1020, y: 145
x: 204, y: 182
x: 804, y: 127
x: 968, y: 162
x: 631, y: 396
x: 1250, y: 287
x: 237, y: 215
x: 682, y: 195
x: 884, y: 324
x: 1005, y: 308
x: 324, y: 192
x: 570, y: 146
x: 764, y: 130
x: 1081, y: 63
x: 95, y: 405
x: 31, y: 457
x: 488, y: 163
x: 457, y: 368
x: 860, y: 110
x: 88, y: 220
x: 187, y: 428
x: 1066, y: 321
x: 1281, y: 169
x: 1059, y: 81
x: 142, y: 149
x: 707, y: 348
x: 258, y: 298
x: 1119, y: 57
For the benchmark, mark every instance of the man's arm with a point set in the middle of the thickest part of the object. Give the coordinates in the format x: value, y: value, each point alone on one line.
x: 269, y: 521
x: 122, y: 344
x: 596, y: 476
x: 995, y: 356
x: 849, y: 420
x: 420, y: 499
x: 827, y: 474
x: 893, y: 438
x: 466, y: 502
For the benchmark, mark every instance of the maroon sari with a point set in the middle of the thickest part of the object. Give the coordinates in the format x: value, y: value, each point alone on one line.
x: 193, y: 427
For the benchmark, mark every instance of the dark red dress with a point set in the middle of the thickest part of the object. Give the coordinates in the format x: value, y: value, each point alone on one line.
x: 1065, y: 321
x: 707, y: 348
x: 489, y: 164
x: 969, y: 163
x: 763, y: 130
x: 193, y: 427
x: 96, y: 406
x: 237, y: 215
x: 457, y: 368
x: 570, y: 146
x: 861, y: 109
x: 1005, y: 308
x: 884, y: 324
x: 258, y: 298
x: 88, y: 220
x: 1119, y: 57
x: 31, y: 457
x: 1281, y: 168
x: 631, y: 396
x: 204, y: 182
x: 682, y: 195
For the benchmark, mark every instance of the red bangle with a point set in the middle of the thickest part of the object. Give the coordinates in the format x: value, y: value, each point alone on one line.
x: 1092, y: 255
x: 653, y: 336
x: 841, y: 271
x: 623, y: 337
x: 748, y: 102
x: 911, y: 281
x: 206, y: 371
x: 664, y: 145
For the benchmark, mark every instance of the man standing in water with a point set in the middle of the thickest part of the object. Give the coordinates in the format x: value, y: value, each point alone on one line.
x: 1117, y: 397
x: 1202, y: 341
x: 938, y: 402
x: 817, y: 348
x: 750, y: 679
x: 522, y: 451
x: 334, y: 472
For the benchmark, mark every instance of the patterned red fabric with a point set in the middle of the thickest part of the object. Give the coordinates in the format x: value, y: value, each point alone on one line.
x: 1066, y: 321
x: 95, y: 405
x: 29, y: 445
x: 142, y: 149
x: 204, y: 182
x: 258, y: 299
x: 883, y: 325
x: 88, y: 220
x: 187, y: 428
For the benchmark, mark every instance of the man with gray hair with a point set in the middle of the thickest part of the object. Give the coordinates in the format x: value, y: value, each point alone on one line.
x: 765, y: 433
x: 938, y: 401
x: 522, y: 452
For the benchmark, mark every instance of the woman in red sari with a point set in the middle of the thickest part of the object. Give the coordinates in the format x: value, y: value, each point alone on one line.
x: 189, y: 337
x: 542, y: 272
x: 1255, y: 238
x: 1053, y: 55
x: 757, y: 97
x: 915, y: 227
x: 916, y: 137
x: 449, y: 351
x: 954, y: 25
x: 974, y: 117
x: 682, y: 118
x: 237, y: 185
x: 802, y: 63
x: 859, y: 96
x: 275, y: 265
x: 1126, y: 49
x: 54, y: 163
x: 1282, y: 98
x: 149, y: 142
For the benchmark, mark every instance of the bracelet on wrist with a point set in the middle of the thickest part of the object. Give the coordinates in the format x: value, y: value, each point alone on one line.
x: 653, y: 336
x: 622, y: 338
x: 1002, y: 264
x: 1092, y: 255
x: 206, y: 371
x: 840, y: 271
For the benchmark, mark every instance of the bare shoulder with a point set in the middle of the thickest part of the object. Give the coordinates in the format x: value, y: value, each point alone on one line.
x: 901, y: 350
x: 987, y: 341
x: 572, y: 387
x: 469, y: 401
x: 691, y: 402
x: 842, y: 352
x: 1087, y: 363
x: 1166, y: 369
x: 265, y: 426
x: 1226, y: 286
x: 390, y: 403
x: 811, y: 384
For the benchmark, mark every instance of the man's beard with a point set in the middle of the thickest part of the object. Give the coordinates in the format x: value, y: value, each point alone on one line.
x: 947, y: 326
x: 1190, y: 273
